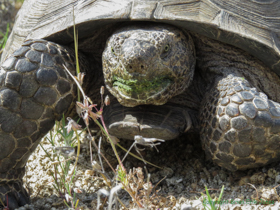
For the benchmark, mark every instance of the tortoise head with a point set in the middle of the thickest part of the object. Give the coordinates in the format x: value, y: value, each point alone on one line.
x: 148, y: 64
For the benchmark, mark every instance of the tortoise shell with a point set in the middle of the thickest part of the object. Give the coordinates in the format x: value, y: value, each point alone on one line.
x: 251, y: 25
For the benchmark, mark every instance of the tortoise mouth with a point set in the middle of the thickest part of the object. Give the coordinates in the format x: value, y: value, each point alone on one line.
x: 141, y: 89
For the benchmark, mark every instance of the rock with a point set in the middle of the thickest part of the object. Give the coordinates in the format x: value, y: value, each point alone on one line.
x: 269, y: 195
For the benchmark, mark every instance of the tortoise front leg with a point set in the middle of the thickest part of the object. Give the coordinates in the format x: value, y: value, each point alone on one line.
x: 240, y: 125
x: 35, y: 90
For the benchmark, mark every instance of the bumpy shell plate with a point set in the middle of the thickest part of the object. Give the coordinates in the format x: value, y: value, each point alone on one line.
x: 252, y: 25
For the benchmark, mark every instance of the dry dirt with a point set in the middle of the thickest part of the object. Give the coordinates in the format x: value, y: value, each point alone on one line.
x: 184, y: 171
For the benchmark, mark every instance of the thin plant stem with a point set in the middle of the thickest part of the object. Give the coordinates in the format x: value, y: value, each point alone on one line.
x: 78, y: 84
x: 137, y: 156
x: 78, y: 152
x: 76, y: 50
x: 104, y: 129
x: 100, y: 160
x: 96, y: 147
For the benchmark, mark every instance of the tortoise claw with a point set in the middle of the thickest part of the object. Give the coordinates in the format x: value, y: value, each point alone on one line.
x: 13, y: 195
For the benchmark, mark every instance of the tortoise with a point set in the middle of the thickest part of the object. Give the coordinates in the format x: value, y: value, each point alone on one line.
x: 170, y: 67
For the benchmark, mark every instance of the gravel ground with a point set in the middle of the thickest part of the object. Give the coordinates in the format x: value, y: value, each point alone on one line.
x: 184, y: 171
x: 183, y: 175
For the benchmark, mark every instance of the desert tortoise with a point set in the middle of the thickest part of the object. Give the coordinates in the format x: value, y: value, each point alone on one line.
x: 208, y: 66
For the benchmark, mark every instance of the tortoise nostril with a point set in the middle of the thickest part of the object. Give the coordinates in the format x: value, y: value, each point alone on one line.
x: 135, y: 67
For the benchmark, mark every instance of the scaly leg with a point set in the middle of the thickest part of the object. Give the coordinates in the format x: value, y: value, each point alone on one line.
x: 35, y: 90
x: 240, y: 125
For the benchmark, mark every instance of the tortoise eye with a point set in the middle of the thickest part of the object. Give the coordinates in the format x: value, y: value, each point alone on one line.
x: 165, y: 53
x: 112, y: 50
x: 166, y: 48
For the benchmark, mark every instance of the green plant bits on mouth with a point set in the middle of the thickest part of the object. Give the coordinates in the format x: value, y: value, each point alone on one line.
x: 125, y: 81
x: 128, y: 87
